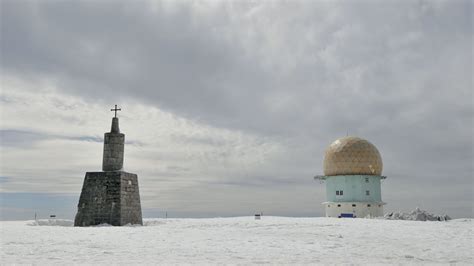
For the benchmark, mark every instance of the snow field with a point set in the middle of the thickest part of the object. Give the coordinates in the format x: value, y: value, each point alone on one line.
x: 241, y: 240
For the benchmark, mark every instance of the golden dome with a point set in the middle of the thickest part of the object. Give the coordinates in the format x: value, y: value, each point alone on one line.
x: 352, y: 156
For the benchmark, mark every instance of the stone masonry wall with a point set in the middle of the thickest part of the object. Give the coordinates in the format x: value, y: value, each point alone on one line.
x: 109, y: 197
x: 131, y: 211
x: 113, y: 152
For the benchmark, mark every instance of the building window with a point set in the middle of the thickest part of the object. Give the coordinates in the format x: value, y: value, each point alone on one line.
x: 368, y: 205
x: 366, y: 180
x: 353, y: 205
x: 338, y: 205
x: 339, y: 192
x: 367, y: 192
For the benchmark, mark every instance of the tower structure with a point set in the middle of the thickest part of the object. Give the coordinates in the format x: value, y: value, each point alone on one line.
x: 353, y: 175
x: 110, y: 196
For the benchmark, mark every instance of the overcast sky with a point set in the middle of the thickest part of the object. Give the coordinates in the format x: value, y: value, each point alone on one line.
x: 228, y: 106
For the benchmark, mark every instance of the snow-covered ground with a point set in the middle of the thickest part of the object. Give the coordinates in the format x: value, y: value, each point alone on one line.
x: 241, y: 240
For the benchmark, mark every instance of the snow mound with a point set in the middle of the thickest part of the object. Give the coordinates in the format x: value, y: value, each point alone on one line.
x: 416, y: 215
x: 153, y: 222
x: 102, y: 225
x: 52, y: 222
x: 109, y: 225
x: 64, y: 222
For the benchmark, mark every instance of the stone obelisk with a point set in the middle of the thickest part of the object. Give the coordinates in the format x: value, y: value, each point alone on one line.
x: 110, y: 196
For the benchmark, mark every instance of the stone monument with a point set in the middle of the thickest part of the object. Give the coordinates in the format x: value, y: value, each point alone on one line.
x: 110, y: 196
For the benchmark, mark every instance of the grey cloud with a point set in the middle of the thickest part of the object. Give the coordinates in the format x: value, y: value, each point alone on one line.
x: 268, y: 182
x: 184, y: 63
x: 202, y: 140
x: 21, y: 138
x: 174, y: 62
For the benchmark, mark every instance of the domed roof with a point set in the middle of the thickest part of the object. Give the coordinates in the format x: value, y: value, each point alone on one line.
x: 352, y: 156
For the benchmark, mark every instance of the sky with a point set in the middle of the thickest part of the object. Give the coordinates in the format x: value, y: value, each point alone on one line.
x: 228, y: 106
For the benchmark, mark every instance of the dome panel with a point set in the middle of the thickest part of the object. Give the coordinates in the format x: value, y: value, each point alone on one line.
x: 352, y: 156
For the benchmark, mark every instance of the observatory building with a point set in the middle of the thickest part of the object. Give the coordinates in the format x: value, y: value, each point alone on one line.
x: 352, y: 173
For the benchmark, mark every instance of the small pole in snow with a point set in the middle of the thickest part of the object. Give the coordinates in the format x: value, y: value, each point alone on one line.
x: 35, y: 216
x: 166, y: 215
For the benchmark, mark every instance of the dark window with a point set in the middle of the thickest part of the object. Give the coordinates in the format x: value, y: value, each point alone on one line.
x: 338, y: 205
x: 341, y: 193
x: 367, y: 192
x: 366, y: 180
x: 337, y: 192
x: 368, y: 205
x: 353, y: 205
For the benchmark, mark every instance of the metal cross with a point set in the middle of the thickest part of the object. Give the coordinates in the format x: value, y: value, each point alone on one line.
x: 116, y: 109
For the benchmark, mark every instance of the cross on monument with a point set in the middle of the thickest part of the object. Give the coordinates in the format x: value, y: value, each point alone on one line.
x: 116, y: 109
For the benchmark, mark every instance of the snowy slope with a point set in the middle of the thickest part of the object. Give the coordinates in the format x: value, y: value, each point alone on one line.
x: 241, y: 240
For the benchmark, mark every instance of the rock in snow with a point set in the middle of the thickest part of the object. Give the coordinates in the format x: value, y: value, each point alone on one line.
x: 416, y: 215
x: 52, y: 222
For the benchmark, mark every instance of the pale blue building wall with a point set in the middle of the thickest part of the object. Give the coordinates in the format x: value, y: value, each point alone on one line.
x: 354, y: 188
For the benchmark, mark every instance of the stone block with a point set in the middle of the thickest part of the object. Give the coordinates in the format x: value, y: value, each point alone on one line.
x: 109, y: 197
x: 113, y: 151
